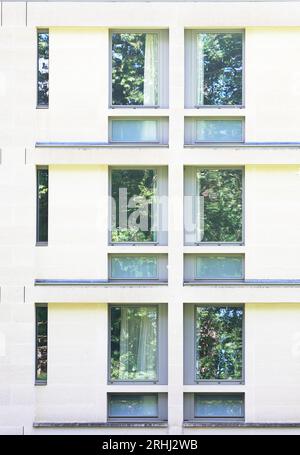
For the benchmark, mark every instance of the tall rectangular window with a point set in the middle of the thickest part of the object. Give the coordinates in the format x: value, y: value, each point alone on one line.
x: 41, y: 314
x: 214, y: 68
x: 138, y: 208
x: 139, y: 66
x: 214, y: 343
x: 138, y: 343
x: 42, y: 205
x: 43, y: 68
x: 214, y: 205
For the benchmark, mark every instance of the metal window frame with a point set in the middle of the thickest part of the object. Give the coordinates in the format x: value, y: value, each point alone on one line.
x: 190, y: 186
x: 38, y: 31
x: 39, y: 242
x: 191, y: 69
x: 162, y: 345
x: 162, y: 174
x: 190, y: 402
x: 163, y: 67
x: 190, y: 345
x: 36, y: 380
x: 162, y: 407
x: 190, y: 126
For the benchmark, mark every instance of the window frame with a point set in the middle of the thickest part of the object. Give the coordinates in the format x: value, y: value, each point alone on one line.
x: 162, y: 407
x: 162, y: 130
x: 163, y: 68
x: 36, y: 380
x: 190, y: 189
x: 41, y: 242
x: 191, y: 69
x: 190, y: 356
x: 161, y: 186
x: 190, y: 128
x: 161, y: 268
x: 41, y: 31
x: 190, y: 265
x: 162, y: 345
x: 190, y: 405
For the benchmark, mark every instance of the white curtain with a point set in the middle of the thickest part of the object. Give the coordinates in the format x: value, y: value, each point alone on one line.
x: 200, y: 69
x: 151, y: 70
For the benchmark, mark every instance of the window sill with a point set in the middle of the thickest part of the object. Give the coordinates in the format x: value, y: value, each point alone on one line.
x: 116, y: 424
x: 242, y: 144
x: 40, y: 383
x: 38, y: 282
x: 99, y: 145
x: 243, y: 283
x: 194, y: 424
x: 41, y: 244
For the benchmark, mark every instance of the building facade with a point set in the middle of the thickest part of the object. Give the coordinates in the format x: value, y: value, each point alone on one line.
x: 150, y: 218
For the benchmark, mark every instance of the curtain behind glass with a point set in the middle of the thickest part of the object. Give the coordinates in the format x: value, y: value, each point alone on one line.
x: 134, y: 343
x: 151, y: 70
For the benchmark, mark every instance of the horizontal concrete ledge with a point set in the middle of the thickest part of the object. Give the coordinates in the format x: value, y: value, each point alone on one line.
x: 240, y: 425
x: 244, y: 283
x: 97, y: 283
x: 100, y: 424
x: 98, y: 145
x: 243, y: 145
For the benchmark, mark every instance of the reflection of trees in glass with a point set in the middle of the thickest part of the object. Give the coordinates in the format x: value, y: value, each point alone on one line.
x: 222, y: 193
x: 134, y: 343
x: 220, y: 57
x: 218, y: 342
x: 133, y: 405
x: 134, y: 267
x: 41, y: 343
x: 43, y: 68
x: 42, y: 184
x: 218, y: 405
x: 138, y: 211
x: 134, y: 69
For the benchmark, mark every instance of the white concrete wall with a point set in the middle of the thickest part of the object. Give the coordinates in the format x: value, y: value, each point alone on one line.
x: 78, y: 207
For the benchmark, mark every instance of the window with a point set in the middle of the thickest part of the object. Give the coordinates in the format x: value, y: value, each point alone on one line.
x: 214, y: 406
x: 214, y: 343
x: 214, y: 68
x: 138, y: 267
x: 131, y: 406
x: 132, y: 130
x: 43, y: 68
x: 138, y: 205
x: 139, y: 68
x: 213, y: 130
x: 209, y: 267
x: 41, y: 350
x: 138, y: 343
x: 214, y: 205
x: 42, y: 205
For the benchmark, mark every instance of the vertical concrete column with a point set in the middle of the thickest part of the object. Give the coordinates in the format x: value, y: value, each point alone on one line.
x: 175, y: 308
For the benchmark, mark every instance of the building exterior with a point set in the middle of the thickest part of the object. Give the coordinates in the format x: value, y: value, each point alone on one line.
x: 178, y: 312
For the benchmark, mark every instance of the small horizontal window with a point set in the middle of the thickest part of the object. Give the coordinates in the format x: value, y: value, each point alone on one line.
x: 138, y: 267
x: 131, y: 406
x: 146, y: 130
x: 214, y: 406
x: 214, y: 267
x: 214, y: 130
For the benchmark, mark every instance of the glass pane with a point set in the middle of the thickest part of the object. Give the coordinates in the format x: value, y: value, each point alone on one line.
x: 221, y: 210
x: 219, y: 131
x: 42, y: 205
x: 219, y: 267
x: 219, y: 68
x: 134, y: 267
x: 41, y: 343
x: 135, y: 69
x: 43, y: 69
x: 212, y: 405
x: 133, y: 406
x: 133, y: 193
x: 134, y: 343
x: 219, y: 343
x: 134, y: 130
